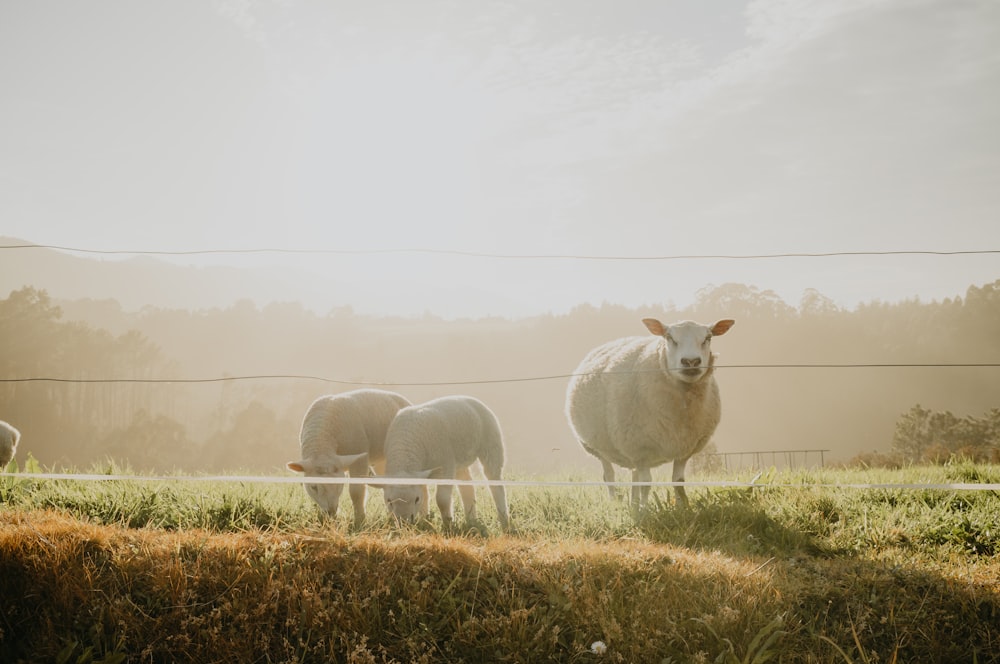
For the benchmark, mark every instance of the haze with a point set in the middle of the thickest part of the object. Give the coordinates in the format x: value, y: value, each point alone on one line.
x: 778, y: 399
x: 558, y: 127
x: 411, y: 145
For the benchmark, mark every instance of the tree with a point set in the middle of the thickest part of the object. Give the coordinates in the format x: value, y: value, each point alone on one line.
x: 732, y: 300
x: 149, y: 442
x: 913, y: 434
x: 814, y: 303
x: 55, y: 416
x: 257, y: 440
x: 29, y: 324
x: 922, y: 435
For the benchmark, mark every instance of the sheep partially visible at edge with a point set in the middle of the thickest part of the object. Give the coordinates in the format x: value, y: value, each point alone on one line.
x: 344, y: 433
x: 441, y: 439
x: 9, y: 436
x: 639, y: 402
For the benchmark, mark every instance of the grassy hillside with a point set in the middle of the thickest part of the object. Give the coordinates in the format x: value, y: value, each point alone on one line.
x: 224, y: 572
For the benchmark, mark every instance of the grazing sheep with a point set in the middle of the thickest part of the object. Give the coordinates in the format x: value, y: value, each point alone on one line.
x: 639, y: 402
x: 341, y: 433
x: 8, y: 443
x: 441, y: 439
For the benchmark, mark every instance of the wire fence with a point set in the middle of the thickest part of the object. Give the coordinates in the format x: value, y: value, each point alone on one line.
x: 790, y: 458
x: 404, y: 481
x: 736, y: 457
x: 483, y: 381
x: 505, y: 256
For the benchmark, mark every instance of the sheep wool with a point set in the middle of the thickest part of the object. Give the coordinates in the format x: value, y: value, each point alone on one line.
x: 441, y: 439
x: 345, y: 433
x: 639, y: 402
x: 9, y: 437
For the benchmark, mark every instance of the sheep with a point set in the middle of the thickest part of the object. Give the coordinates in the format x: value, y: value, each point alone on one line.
x: 341, y: 433
x: 9, y: 436
x: 639, y: 402
x: 441, y: 439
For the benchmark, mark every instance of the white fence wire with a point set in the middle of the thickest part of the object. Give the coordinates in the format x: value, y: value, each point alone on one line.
x: 269, y: 479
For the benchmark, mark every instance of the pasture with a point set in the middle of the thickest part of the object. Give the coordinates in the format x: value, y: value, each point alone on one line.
x: 796, y: 569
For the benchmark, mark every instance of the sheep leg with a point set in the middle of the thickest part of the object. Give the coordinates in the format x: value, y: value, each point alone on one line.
x: 640, y: 494
x: 358, y: 498
x: 499, y: 495
x: 678, y: 476
x: 425, y: 501
x: 468, y: 493
x: 609, y: 478
x: 443, y: 496
x: 359, y: 492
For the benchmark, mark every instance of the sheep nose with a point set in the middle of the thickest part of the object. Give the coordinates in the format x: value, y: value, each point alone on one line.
x: 691, y: 361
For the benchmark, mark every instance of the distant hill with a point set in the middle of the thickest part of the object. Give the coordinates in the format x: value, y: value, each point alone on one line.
x: 140, y: 281
x: 137, y: 282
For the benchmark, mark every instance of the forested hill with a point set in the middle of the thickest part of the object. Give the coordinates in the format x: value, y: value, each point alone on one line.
x: 771, y: 401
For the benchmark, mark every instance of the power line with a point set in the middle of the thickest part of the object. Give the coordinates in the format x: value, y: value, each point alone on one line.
x: 484, y: 381
x: 505, y: 256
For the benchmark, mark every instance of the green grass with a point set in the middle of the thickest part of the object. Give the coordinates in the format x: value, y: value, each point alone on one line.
x: 792, y: 570
x: 786, y: 513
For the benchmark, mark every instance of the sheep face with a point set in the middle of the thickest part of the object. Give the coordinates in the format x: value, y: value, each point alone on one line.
x: 327, y: 496
x: 688, y: 346
x: 404, y: 501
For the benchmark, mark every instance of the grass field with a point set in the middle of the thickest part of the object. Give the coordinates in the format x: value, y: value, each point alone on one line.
x: 164, y: 571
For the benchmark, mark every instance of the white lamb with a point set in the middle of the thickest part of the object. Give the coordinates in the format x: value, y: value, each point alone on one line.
x: 8, y: 443
x: 640, y: 402
x: 345, y: 433
x: 441, y: 439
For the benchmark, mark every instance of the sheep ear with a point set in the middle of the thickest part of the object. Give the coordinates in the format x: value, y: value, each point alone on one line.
x: 654, y: 326
x: 296, y: 466
x: 424, y: 474
x: 346, y: 461
x: 722, y: 326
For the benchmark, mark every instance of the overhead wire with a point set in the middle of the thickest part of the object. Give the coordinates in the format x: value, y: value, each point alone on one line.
x: 483, y: 381
x: 506, y: 256
x: 487, y: 255
x: 475, y: 254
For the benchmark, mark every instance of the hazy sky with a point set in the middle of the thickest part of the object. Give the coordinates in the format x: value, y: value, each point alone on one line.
x: 634, y: 127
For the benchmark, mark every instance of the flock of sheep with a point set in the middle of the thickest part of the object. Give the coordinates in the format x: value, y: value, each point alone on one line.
x: 635, y: 402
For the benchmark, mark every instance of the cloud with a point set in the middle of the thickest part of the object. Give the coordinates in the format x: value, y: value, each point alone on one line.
x: 542, y: 126
x: 869, y: 128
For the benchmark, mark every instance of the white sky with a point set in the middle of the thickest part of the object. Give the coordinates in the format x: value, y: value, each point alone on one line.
x: 634, y: 127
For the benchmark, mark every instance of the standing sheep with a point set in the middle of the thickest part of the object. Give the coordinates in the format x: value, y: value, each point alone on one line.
x: 639, y: 402
x: 341, y: 433
x: 441, y: 439
x: 8, y: 443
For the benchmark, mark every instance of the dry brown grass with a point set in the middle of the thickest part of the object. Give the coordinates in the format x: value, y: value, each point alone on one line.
x: 194, y: 596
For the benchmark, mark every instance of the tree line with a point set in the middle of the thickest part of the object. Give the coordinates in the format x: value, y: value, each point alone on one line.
x: 253, y: 424
x: 923, y: 436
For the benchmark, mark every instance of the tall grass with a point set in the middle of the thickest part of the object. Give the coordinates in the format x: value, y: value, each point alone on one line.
x: 229, y: 572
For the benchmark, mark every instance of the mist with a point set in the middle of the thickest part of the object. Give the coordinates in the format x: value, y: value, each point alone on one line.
x: 286, y: 199
x: 237, y: 380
